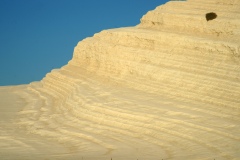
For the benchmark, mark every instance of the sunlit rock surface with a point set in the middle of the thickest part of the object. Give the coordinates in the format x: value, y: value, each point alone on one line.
x: 168, y: 88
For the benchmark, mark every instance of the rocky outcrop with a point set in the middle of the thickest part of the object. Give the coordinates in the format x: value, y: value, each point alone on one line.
x: 189, y: 18
x: 174, y: 48
x: 167, y: 88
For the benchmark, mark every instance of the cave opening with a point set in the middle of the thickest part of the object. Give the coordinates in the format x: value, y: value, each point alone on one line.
x: 211, y: 16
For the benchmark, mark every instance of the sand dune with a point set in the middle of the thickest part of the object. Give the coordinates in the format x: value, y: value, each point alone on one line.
x: 168, y: 88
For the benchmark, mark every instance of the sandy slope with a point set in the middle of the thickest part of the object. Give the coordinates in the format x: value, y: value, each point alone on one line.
x: 168, y: 88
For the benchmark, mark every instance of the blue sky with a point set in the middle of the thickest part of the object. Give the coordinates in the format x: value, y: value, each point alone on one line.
x: 37, y: 36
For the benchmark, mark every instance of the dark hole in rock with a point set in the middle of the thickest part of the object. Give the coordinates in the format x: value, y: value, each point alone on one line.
x: 211, y: 16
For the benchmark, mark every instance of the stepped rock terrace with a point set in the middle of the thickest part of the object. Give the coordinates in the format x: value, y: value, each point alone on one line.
x: 168, y: 88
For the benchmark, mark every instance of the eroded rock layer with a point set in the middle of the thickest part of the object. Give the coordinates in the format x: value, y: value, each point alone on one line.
x: 168, y: 88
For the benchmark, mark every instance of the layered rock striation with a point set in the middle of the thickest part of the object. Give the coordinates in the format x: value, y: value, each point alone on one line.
x: 167, y: 88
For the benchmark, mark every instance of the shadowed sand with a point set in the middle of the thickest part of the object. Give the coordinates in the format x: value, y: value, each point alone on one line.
x: 159, y: 90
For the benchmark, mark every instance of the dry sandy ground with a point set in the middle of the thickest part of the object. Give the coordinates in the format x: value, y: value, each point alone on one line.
x: 112, y: 121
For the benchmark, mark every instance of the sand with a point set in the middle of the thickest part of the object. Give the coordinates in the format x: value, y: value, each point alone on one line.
x: 168, y: 88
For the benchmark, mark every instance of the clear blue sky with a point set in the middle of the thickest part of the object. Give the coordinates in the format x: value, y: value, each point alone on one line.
x: 37, y: 36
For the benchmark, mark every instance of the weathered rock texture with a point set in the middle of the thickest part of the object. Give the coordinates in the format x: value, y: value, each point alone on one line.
x: 168, y: 88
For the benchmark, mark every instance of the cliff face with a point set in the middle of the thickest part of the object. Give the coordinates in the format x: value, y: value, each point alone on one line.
x: 167, y: 88
x: 189, y: 18
x: 175, y: 48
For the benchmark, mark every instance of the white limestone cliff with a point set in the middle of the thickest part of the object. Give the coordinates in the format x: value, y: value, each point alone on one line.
x: 168, y: 88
